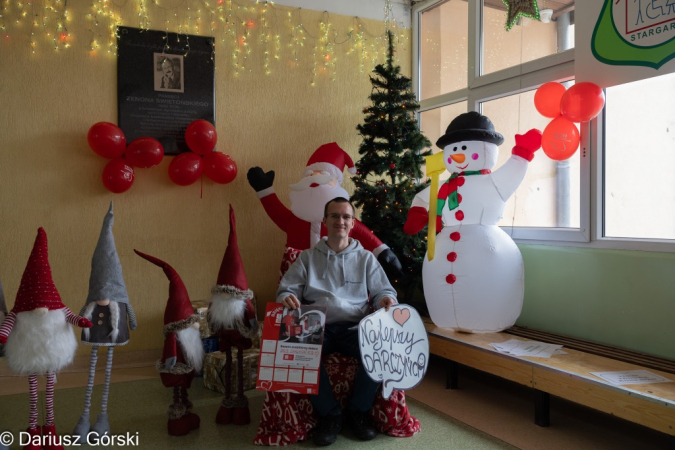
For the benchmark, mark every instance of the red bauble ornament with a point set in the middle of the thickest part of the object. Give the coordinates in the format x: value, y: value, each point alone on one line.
x: 201, y: 137
x: 392, y: 165
x: 185, y: 169
x: 107, y: 140
x: 145, y: 152
x: 220, y: 167
x: 118, y: 176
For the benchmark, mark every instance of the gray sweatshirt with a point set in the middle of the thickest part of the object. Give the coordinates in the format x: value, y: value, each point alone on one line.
x: 341, y: 281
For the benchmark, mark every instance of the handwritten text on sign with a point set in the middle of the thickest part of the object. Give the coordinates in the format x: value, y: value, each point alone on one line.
x: 394, y: 348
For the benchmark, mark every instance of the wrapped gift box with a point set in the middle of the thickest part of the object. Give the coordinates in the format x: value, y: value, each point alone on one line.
x: 201, y: 307
x: 214, y: 370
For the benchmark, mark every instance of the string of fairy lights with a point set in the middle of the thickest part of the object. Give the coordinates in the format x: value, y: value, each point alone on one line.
x: 242, y: 27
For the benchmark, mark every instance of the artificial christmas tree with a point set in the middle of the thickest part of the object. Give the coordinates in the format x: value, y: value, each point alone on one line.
x: 389, y: 172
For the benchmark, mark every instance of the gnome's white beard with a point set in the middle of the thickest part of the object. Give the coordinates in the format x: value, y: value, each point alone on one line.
x: 191, y: 343
x: 308, y: 204
x: 226, y: 311
x: 40, y: 344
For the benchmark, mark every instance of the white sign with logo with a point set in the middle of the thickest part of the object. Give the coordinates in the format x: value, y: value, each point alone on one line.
x: 619, y: 41
x: 394, y: 348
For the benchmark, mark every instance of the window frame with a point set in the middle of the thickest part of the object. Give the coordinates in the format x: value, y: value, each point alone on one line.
x: 521, y: 78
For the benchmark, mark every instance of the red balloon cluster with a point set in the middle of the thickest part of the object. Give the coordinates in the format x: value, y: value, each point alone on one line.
x: 107, y: 140
x: 580, y: 103
x: 186, y: 168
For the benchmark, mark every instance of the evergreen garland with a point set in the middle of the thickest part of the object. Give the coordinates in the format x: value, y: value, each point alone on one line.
x: 389, y: 172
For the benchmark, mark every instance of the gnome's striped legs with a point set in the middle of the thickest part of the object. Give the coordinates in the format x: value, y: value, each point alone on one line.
x: 240, y: 372
x: 102, y: 426
x: 192, y: 418
x: 33, y: 396
x: 228, y: 372
x: 49, y: 400
x: 241, y: 414
x: 180, y: 422
x: 224, y: 415
x: 234, y: 410
x: 82, y: 428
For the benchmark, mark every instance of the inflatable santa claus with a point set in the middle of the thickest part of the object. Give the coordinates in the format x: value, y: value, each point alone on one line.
x: 39, y: 340
x: 183, y: 353
x: 321, y: 182
x: 232, y: 316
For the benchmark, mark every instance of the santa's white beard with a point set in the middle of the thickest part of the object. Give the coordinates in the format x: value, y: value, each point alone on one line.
x: 40, y: 344
x: 309, y: 203
x: 191, y: 343
x: 226, y: 311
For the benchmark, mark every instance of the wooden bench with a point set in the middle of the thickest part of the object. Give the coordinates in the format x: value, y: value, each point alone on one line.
x: 566, y: 376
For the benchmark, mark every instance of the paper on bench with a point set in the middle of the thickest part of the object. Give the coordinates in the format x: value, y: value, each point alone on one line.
x: 631, y: 377
x: 536, y: 349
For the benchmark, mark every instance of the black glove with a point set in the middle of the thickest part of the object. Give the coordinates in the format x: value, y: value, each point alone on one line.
x: 390, y: 263
x: 259, y: 180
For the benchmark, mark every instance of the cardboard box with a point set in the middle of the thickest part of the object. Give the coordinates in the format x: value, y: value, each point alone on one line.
x: 214, y: 370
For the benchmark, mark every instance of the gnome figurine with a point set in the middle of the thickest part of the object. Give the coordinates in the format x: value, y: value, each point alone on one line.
x: 183, y: 353
x: 39, y: 340
x: 108, y: 307
x: 232, y: 317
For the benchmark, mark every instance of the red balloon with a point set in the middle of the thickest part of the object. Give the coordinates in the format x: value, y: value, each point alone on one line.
x: 582, y: 102
x: 547, y: 99
x: 118, y: 176
x: 106, y: 139
x: 145, y: 152
x: 560, y: 139
x: 220, y: 167
x: 185, y: 169
x: 201, y: 137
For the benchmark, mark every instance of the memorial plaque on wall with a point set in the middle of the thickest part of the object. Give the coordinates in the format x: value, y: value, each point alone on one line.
x: 164, y: 82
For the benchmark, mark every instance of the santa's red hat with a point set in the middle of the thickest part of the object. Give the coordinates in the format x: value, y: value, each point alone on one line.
x: 179, y: 313
x: 37, y: 288
x: 332, y: 158
x: 231, y: 277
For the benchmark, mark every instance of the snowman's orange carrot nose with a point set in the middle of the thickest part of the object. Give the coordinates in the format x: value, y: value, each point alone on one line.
x: 458, y: 158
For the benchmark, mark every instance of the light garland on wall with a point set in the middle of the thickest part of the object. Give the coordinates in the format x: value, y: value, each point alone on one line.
x: 243, y: 27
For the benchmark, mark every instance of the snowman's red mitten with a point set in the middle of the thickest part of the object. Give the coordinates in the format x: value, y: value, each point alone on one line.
x: 417, y: 219
x: 527, y: 144
x: 84, y: 323
x: 3, y: 339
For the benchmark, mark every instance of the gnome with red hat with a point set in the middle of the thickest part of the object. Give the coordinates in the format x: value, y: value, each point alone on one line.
x: 321, y: 182
x: 232, y: 316
x: 183, y: 353
x: 39, y: 340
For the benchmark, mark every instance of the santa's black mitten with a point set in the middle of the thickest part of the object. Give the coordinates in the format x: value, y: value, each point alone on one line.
x: 259, y: 179
x: 390, y: 263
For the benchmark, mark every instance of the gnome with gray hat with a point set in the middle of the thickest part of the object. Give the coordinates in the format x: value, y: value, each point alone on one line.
x: 111, y: 313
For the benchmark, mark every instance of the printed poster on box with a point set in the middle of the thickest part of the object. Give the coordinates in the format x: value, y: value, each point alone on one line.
x: 290, y: 352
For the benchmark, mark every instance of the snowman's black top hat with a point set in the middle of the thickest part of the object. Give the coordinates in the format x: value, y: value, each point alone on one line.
x: 471, y: 126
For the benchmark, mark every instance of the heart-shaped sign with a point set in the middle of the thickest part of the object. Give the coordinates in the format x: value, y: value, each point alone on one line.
x: 401, y: 316
x: 266, y: 385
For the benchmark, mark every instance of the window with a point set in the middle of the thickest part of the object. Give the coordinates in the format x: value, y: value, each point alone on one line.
x: 443, y: 46
x: 527, y: 40
x: 498, y: 74
x: 639, y: 159
x: 618, y: 190
x: 549, y: 194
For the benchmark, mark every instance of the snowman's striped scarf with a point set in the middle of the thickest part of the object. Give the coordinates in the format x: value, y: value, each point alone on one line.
x: 448, y: 192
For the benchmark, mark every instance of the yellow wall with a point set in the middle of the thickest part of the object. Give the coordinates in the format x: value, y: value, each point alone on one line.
x: 51, y: 178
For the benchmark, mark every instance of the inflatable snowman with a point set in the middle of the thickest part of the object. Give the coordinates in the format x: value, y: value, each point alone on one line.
x: 473, y: 275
